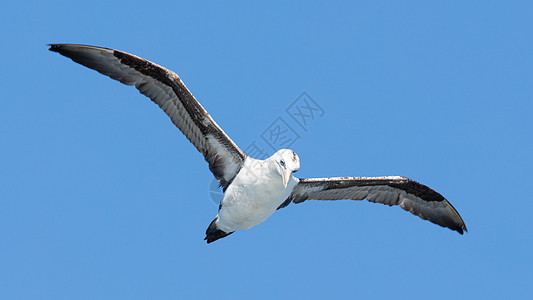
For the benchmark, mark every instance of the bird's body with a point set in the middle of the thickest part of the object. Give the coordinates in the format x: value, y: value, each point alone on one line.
x: 254, y: 189
x: 254, y: 195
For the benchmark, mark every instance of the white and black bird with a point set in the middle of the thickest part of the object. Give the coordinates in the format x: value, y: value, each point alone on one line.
x: 253, y: 189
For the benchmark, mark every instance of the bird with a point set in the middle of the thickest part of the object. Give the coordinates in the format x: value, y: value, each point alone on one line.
x: 253, y: 188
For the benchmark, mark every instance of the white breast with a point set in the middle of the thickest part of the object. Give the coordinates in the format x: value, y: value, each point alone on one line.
x: 253, y: 196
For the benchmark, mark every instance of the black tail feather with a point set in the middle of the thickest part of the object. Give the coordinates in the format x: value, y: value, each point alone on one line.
x: 213, y: 233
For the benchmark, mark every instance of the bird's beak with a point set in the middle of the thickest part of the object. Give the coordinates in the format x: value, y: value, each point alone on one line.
x: 286, y: 175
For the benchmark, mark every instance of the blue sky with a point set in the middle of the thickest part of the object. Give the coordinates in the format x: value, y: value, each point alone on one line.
x: 101, y: 197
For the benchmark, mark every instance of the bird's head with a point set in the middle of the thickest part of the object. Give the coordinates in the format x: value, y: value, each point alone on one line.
x: 286, y: 162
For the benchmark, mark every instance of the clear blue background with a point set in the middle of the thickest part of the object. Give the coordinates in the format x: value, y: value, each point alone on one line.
x: 101, y: 197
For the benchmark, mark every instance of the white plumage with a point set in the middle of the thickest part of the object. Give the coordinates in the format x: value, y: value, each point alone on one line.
x: 256, y: 192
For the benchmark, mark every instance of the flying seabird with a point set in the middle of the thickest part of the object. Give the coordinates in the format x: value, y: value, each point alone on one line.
x: 253, y: 189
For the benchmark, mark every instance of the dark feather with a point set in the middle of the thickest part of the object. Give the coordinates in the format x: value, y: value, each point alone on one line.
x: 410, y: 195
x: 167, y: 90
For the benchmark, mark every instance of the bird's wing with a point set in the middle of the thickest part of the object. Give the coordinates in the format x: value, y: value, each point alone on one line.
x: 167, y: 90
x: 410, y: 195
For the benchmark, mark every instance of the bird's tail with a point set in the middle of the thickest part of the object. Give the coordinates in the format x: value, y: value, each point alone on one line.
x: 213, y: 233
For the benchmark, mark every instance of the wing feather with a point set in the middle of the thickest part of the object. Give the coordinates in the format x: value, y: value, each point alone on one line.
x: 410, y: 195
x: 166, y: 89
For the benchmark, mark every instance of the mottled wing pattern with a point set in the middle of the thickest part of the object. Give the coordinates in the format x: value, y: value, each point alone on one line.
x: 167, y: 90
x: 410, y: 195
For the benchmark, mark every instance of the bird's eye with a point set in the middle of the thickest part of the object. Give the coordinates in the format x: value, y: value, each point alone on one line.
x: 282, y: 163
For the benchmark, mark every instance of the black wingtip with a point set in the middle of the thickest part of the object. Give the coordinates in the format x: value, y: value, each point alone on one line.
x: 54, y: 47
x: 461, y: 230
x: 464, y: 228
